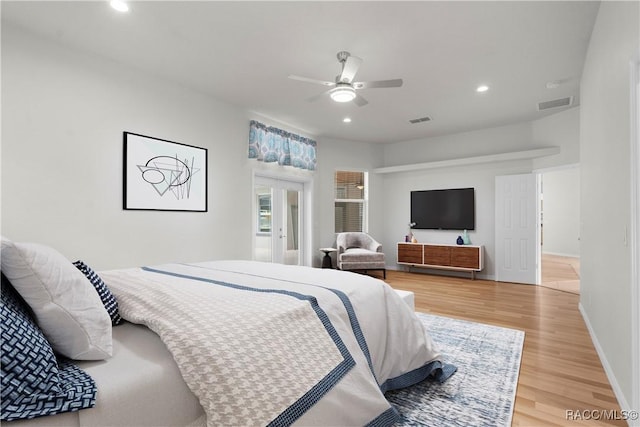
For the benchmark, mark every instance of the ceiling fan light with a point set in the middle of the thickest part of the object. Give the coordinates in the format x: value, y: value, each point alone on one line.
x: 343, y: 94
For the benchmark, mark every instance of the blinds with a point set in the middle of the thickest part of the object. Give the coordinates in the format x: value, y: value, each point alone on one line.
x: 350, y: 201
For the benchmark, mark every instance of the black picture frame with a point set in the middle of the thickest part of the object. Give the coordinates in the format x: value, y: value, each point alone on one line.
x: 163, y: 175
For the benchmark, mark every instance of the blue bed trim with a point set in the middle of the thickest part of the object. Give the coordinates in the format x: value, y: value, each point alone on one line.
x: 311, y: 397
x: 346, y: 302
x: 355, y: 326
x: 387, y: 418
x: 437, y: 370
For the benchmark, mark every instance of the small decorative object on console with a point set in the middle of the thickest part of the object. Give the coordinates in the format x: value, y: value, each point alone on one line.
x: 409, y: 237
x: 459, y: 240
x: 465, y: 238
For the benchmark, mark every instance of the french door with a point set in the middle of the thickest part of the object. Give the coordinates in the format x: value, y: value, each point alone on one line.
x: 278, y: 216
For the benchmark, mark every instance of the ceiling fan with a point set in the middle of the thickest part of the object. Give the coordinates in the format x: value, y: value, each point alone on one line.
x: 344, y: 88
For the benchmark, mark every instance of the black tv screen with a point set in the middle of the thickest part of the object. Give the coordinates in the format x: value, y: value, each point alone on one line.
x: 452, y: 209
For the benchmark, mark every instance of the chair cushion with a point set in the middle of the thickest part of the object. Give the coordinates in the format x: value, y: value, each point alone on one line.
x: 361, y: 255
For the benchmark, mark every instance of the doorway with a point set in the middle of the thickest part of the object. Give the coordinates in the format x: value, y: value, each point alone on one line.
x: 560, y: 228
x: 278, y: 221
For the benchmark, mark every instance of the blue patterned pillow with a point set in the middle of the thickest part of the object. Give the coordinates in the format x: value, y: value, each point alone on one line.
x: 33, y: 384
x: 108, y: 300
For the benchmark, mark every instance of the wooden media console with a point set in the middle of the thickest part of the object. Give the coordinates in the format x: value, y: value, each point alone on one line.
x: 442, y: 256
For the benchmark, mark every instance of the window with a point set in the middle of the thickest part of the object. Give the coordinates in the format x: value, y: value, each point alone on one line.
x: 350, y: 201
x: 264, y: 213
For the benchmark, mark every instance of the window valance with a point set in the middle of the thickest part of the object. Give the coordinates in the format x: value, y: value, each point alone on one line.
x: 270, y: 144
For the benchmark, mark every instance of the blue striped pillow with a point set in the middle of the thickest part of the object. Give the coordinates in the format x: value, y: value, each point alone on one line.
x: 108, y: 300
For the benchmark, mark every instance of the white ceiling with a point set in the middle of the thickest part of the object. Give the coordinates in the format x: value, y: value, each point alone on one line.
x: 242, y: 53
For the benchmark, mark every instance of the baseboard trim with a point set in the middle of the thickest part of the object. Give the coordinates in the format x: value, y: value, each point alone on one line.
x: 622, y: 401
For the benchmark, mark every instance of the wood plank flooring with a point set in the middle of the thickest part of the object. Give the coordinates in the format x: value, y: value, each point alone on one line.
x: 560, y: 369
x: 561, y: 272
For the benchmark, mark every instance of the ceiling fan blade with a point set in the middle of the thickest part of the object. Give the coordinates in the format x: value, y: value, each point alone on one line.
x: 310, y: 80
x: 360, y: 101
x: 349, y: 69
x: 318, y: 96
x: 377, y: 83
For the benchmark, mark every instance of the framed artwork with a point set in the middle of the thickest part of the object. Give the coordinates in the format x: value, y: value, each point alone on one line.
x: 163, y: 175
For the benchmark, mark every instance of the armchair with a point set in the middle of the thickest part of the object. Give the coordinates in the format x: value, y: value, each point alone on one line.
x: 359, y: 252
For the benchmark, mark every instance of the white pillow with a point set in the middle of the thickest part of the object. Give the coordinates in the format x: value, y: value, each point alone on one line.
x: 66, y: 306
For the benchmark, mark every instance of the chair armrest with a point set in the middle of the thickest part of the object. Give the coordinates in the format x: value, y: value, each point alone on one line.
x: 340, y: 244
x: 375, y: 246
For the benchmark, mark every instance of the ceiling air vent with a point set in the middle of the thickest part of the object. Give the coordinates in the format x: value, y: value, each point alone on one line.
x: 562, y: 102
x: 420, y: 120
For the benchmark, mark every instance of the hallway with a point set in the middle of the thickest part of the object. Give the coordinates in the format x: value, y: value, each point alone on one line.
x: 561, y: 272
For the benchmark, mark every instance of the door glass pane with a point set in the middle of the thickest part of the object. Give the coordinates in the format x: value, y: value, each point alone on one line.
x: 264, y: 224
x: 291, y: 221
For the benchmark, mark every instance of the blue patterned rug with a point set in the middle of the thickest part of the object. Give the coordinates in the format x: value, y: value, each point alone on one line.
x: 481, y: 392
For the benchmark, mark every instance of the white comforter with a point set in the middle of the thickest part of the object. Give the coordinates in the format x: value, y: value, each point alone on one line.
x: 262, y: 343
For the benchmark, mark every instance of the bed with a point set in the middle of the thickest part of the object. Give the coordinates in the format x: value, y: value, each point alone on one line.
x: 253, y: 343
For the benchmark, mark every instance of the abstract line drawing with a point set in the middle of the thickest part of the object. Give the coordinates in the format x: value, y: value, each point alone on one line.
x: 166, y: 173
x: 163, y: 175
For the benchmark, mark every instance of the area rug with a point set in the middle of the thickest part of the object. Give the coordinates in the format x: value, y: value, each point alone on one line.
x: 481, y: 392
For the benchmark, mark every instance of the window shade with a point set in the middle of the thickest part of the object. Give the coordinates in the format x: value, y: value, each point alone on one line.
x: 350, y: 208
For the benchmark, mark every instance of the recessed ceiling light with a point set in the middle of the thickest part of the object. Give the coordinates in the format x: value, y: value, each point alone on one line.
x: 482, y: 88
x: 119, y: 5
x: 347, y: 120
x: 553, y: 84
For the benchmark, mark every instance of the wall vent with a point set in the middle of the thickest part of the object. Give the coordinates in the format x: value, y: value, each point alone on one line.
x: 562, y: 102
x: 420, y: 120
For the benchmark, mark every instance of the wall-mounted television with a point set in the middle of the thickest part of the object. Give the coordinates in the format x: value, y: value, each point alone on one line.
x: 450, y: 209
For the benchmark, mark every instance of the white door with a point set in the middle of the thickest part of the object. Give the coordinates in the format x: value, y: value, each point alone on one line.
x: 517, y: 229
x: 278, y: 220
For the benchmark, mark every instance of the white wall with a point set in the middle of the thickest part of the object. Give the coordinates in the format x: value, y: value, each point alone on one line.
x: 560, y: 130
x: 604, y: 156
x: 561, y: 212
x: 398, y: 187
x: 344, y: 155
x: 63, y: 115
x: 516, y: 137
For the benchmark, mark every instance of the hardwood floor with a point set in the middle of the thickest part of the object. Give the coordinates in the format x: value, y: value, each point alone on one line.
x: 560, y: 369
x: 561, y: 272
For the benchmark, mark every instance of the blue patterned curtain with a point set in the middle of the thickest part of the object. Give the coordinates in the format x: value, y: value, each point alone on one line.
x: 269, y: 144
